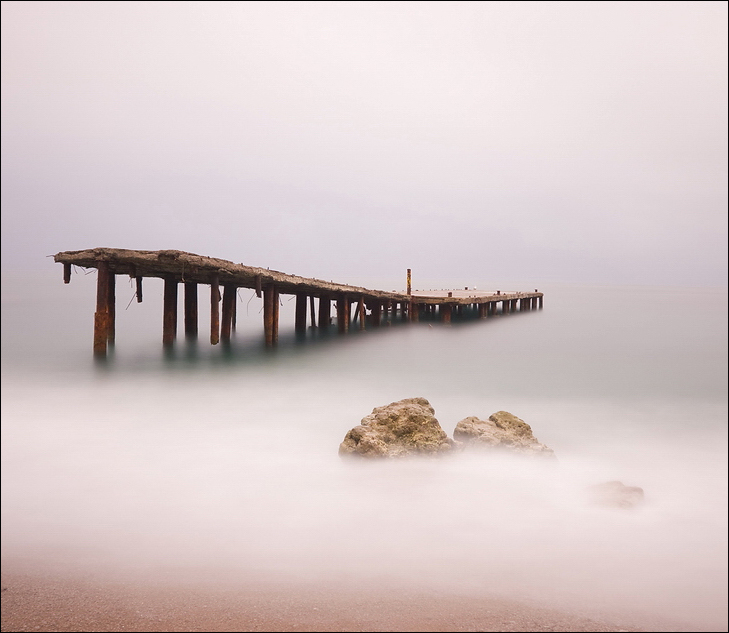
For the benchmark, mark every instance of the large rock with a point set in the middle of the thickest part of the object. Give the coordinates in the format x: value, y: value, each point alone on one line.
x: 399, y: 429
x: 615, y: 494
x: 502, y: 430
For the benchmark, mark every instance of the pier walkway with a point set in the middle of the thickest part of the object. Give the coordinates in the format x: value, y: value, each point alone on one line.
x: 351, y: 303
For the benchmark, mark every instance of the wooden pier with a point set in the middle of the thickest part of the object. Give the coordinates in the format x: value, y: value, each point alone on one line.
x: 351, y: 302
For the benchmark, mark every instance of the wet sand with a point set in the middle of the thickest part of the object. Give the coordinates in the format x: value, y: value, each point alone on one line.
x: 33, y: 601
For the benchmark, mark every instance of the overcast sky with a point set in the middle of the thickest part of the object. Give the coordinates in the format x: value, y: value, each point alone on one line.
x: 490, y: 141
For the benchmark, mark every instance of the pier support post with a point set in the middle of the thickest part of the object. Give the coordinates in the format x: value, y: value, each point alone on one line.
x: 214, y: 309
x: 169, y: 317
x: 362, y: 313
x: 67, y: 273
x: 270, y: 314
x: 342, y: 313
x: 413, y: 312
x: 540, y: 302
x: 190, y: 310
x: 300, y: 323
x: 102, y: 314
x: 226, y: 325
x: 446, y: 311
x: 481, y: 310
x: 324, y: 311
x: 112, y: 308
x: 376, y: 315
x: 313, y: 314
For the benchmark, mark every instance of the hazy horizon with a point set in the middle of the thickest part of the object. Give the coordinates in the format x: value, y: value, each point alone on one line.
x: 552, y: 142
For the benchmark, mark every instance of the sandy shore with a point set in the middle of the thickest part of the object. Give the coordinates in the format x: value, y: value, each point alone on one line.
x: 32, y: 601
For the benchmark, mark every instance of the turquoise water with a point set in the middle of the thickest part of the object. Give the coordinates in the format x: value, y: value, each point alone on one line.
x: 222, y: 461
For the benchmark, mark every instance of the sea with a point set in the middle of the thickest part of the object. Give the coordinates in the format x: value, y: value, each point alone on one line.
x: 210, y: 462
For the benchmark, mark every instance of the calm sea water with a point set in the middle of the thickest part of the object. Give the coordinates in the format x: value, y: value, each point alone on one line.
x: 223, y: 460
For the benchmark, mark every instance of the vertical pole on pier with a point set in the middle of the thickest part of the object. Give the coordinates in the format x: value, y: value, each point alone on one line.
x: 504, y: 307
x: 540, y: 301
x: 376, y: 312
x: 313, y: 314
x: 234, y: 310
x: 513, y: 305
x: 362, y: 313
x: 481, y: 310
x: 67, y: 273
x: 300, y: 323
x: 138, y: 282
x: 169, y: 311
x: 270, y: 314
x: 101, y: 316
x: 445, y: 310
x: 342, y: 313
x: 214, y: 309
x: 190, y: 310
x: 324, y: 311
x: 413, y: 314
x: 226, y: 325
x: 112, y: 308
x: 409, y: 284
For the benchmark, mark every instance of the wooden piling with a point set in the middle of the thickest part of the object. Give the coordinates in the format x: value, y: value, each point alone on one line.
x: 169, y: 311
x: 226, y: 325
x: 190, y: 310
x: 342, y: 313
x: 362, y: 313
x: 300, y: 323
x: 446, y: 312
x: 101, y: 316
x: 311, y: 307
x: 270, y: 314
x: 540, y: 302
x: 413, y: 312
x: 214, y: 309
x: 324, y: 311
x: 67, y: 273
x: 138, y: 290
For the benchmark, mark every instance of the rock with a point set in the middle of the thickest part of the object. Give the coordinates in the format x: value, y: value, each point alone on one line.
x: 399, y: 429
x: 502, y: 430
x: 615, y: 494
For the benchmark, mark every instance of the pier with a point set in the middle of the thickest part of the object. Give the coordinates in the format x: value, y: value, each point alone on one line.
x: 351, y: 303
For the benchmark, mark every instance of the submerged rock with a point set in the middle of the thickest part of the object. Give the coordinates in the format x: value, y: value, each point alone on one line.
x: 502, y: 430
x: 399, y: 429
x: 615, y: 494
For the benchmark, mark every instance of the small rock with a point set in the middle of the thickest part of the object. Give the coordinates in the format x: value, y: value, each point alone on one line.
x: 615, y: 494
x: 502, y: 430
x: 399, y: 429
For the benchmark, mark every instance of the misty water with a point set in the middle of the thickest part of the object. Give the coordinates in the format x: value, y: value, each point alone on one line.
x: 207, y: 462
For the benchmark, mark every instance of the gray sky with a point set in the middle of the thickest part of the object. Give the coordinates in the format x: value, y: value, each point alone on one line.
x: 489, y: 141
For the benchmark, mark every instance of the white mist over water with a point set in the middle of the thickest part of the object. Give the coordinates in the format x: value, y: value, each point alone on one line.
x: 210, y: 462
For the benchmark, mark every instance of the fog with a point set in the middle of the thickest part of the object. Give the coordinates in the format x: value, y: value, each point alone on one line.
x: 546, y: 141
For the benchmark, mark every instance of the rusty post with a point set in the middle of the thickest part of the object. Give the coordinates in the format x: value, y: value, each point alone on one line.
x: 226, y: 324
x: 234, y: 310
x: 67, y: 273
x: 409, y: 283
x: 214, y: 309
x: 313, y: 313
x: 445, y: 312
x: 300, y: 322
x: 341, y: 318
x: 138, y: 291
x: 101, y: 316
x: 169, y: 311
x: 413, y: 312
x: 481, y: 310
x: 190, y: 310
x: 111, y: 332
x: 362, y: 313
x: 376, y: 308
x: 270, y: 314
x: 324, y: 311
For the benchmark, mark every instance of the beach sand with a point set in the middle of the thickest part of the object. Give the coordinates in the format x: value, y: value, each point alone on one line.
x: 33, y: 600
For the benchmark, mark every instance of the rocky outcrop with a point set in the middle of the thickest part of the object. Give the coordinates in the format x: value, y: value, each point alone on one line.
x: 399, y: 429
x: 502, y: 430
x: 615, y: 494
